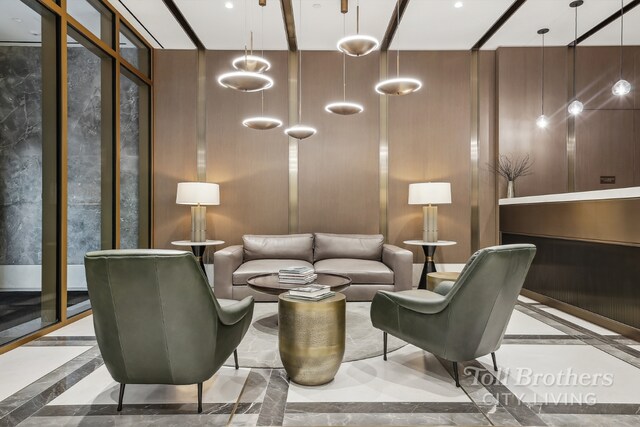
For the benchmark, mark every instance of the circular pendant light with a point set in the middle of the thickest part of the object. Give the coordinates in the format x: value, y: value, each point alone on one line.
x: 300, y: 131
x: 245, y: 81
x: 262, y: 123
x: 344, y: 108
x: 621, y: 87
x: 542, y: 121
x: 575, y: 107
x: 358, y: 44
x: 398, y: 85
x: 251, y: 63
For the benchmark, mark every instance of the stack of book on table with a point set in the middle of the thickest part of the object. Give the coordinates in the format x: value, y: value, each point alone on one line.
x: 311, y: 292
x: 297, y: 275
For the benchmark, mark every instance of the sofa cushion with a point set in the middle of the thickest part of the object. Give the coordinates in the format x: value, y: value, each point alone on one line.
x: 361, y: 271
x: 288, y: 246
x: 263, y: 266
x: 360, y: 246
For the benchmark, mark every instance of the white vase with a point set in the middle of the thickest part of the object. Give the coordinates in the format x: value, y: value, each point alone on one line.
x: 511, y: 189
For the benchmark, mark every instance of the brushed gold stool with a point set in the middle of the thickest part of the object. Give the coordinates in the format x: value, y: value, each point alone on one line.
x: 434, y: 279
x: 311, y: 337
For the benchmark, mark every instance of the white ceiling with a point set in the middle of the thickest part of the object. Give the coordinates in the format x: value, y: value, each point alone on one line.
x: 610, y: 35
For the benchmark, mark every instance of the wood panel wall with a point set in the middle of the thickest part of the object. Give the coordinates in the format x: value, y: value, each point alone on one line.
x: 338, y: 167
x: 174, y: 154
x: 429, y: 140
x: 251, y: 166
x: 488, y: 197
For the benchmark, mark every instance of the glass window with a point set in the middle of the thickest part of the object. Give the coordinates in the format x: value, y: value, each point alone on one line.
x: 134, y: 161
x: 94, y: 16
x: 89, y: 170
x: 134, y: 51
x: 28, y: 143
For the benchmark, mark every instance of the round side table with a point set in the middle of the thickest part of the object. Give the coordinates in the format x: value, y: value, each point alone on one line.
x: 198, y: 248
x: 429, y: 249
x: 434, y: 279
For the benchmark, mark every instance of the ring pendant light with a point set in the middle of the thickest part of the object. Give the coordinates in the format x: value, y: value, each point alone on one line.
x: 358, y: 44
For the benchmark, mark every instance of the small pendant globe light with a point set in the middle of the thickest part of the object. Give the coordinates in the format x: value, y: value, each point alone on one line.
x: 575, y: 107
x: 621, y: 87
x: 542, y: 121
x: 343, y: 107
x: 300, y: 131
x: 262, y: 122
x: 358, y: 44
x: 398, y: 85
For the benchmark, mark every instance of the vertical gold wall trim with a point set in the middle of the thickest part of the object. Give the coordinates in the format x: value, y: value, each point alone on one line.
x: 384, y: 150
x: 571, y: 126
x: 293, y: 143
x: 496, y: 141
x: 62, y: 166
x: 201, y: 117
x: 474, y: 136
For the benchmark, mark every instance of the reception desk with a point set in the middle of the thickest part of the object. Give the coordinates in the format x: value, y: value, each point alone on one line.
x: 588, y: 259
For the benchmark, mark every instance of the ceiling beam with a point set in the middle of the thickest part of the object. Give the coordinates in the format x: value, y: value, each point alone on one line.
x: 606, y: 22
x: 175, y: 11
x: 140, y: 23
x: 498, y: 24
x: 392, y: 27
x: 289, y: 24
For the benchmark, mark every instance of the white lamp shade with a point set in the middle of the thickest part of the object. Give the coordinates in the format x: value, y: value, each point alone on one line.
x: 198, y: 193
x: 430, y: 193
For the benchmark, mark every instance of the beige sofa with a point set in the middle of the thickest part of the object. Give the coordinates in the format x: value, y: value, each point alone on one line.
x: 371, y: 264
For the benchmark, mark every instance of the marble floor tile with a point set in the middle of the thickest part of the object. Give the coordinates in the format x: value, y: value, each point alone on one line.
x: 384, y: 419
x: 182, y: 420
x: 523, y: 324
x: 99, y: 388
x: 635, y: 347
x: 526, y: 300
x: 24, y: 365
x: 578, y: 321
x: 576, y: 374
x: 572, y: 420
x: 79, y: 328
x: 409, y: 375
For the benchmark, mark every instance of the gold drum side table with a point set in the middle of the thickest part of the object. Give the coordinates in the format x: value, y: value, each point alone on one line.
x: 311, y: 338
x: 434, y: 279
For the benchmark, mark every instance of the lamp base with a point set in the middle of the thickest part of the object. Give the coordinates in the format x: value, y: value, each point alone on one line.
x: 430, y: 224
x: 198, y: 223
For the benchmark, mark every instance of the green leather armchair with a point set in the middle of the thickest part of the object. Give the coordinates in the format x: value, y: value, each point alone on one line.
x: 157, y: 320
x: 463, y: 320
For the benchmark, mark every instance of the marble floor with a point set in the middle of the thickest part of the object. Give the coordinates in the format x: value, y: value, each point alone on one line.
x: 555, y: 370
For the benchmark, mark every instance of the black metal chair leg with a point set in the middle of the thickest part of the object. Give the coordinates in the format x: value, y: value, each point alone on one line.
x: 495, y: 364
x: 199, y: 398
x: 120, y: 397
x: 235, y: 358
x: 384, y: 344
x: 455, y: 373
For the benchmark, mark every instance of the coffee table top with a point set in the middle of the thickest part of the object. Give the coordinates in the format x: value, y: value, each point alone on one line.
x: 269, y: 284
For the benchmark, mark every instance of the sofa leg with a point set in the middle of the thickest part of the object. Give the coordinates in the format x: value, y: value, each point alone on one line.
x: 495, y: 364
x: 455, y: 373
x: 384, y: 345
x: 199, y: 398
x: 120, y: 397
x: 235, y: 358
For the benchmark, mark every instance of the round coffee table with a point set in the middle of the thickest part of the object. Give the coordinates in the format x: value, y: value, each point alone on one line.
x: 269, y: 284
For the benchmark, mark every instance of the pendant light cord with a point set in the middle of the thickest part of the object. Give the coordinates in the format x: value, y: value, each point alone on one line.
x: 575, y: 50
x: 398, y: 31
x: 542, y: 75
x: 300, y: 70
x: 358, y: 17
x: 262, y: 45
x: 621, y: 34
x: 344, y: 63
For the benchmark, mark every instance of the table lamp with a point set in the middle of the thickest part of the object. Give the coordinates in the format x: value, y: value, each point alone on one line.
x: 199, y: 195
x: 430, y: 193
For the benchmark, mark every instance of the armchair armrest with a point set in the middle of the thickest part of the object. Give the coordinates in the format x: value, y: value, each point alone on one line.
x: 401, y: 262
x: 231, y: 314
x: 420, y: 301
x: 225, y: 262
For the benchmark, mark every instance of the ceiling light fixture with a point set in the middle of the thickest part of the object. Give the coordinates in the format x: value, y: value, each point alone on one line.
x: 262, y: 122
x: 344, y: 108
x: 622, y: 87
x: 458, y: 4
x: 300, y: 131
x: 575, y: 107
x: 358, y: 44
x: 542, y: 121
x: 228, y: 5
x: 398, y: 85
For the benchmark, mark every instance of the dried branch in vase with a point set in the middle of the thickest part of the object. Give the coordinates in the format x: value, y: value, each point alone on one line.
x: 511, y: 168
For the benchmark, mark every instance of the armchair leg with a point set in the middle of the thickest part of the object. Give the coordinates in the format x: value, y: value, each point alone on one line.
x: 495, y: 365
x: 455, y: 373
x: 199, y: 398
x: 120, y: 397
x: 384, y: 345
x: 235, y: 358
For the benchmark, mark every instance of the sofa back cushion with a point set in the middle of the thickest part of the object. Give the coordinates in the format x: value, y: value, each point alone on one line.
x: 287, y: 246
x: 358, y: 246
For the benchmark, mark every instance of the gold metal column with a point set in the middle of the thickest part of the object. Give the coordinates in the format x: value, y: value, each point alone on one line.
x: 293, y: 144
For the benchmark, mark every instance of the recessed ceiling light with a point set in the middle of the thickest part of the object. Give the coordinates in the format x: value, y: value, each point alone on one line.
x: 18, y: 20
x: 317, y: 5
x: 458, y: 4
x: 228, y: 5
